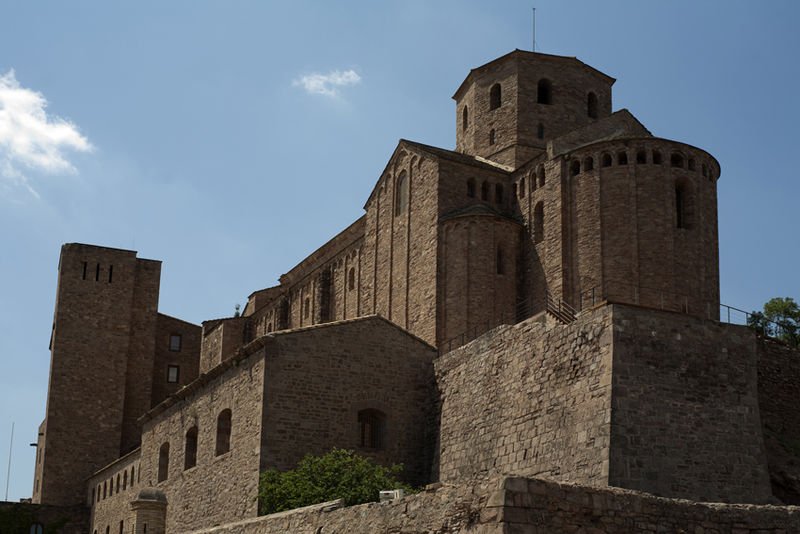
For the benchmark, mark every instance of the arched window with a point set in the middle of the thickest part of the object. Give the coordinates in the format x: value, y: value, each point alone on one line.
x: 401, y: 194
x: 98, y: 493
x: 471, y: 188
x: 120, y: 527
x: 494, y: 97
x: 491, y: 136
x: 117, y: 482
x: 105, y: 487
x: 133, y: 470
x: 588, y: 164
x: 163, y: 462
x: 111, y: 487
x: 499, y: 194
x: 190, y: 454
x: 575, y: 168
x: 622, y: 158
x: 676, y: 160
x: 351, y: 278
x: 683, y: 204
x: 107, y: 529
x: 541, y: 176
x: 464, y: 118
x: 691, y: 164
x: 223, y: 432
x: 485, y: 191
x: 125, y: 480
x: 538, y: 222
x: 499, y: 267
x: 540, y: 131
x: 372, y: 429
x: 306, y: 308
x: 544, y: 92
x: 591, y: 105
x: 36, y: 528
x: 605, y: 160
x: 656, y: 157
x: 522, y: 187
x: 705, y: 170
x: 641, y: 157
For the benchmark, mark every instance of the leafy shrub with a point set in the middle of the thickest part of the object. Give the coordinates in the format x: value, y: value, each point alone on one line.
x: 339, y: 474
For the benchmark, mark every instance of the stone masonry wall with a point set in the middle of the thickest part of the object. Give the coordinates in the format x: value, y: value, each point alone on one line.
x: 67, y: 519
x: 778, y: 394
x: 187, y: 357
x: 110, y: 492
x: 685, y: 409
x: 522, y: 506
x: 219, y: 487
x: 103, y: 297
x: 319, y: 378
x: 529, y: 399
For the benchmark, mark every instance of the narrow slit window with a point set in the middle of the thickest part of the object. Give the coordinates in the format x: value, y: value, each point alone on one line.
x: 163, y: 462
x: 485, y: 191
x: 97, y: 273
x: 464, y: 118
x: 538, y: 222
x: 85, y: 266
x: 522, y: 187
x: 110, y: 273
x: 401, y: 194
x: 351, y: 282
x: 190, y: 458
x: 591, y: 106
x: 223, y: 432
x: 491, y: 136
x: 499, y: 194
x: 500, y: 268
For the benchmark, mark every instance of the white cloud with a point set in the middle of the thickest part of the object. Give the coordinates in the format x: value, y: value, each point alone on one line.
x: 327, y: 84
x: 29, y: 138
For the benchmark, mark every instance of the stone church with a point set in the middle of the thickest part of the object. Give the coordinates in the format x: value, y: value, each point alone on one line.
x: 541, y: 301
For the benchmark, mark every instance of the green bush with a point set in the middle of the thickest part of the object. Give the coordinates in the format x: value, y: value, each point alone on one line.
x: 340, y: 474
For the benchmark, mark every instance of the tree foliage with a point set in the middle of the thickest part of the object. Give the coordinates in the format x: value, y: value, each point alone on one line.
x: 339, y: 474
x: 780, y: 319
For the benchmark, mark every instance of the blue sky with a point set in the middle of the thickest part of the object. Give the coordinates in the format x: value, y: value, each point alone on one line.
x: 197, y: 134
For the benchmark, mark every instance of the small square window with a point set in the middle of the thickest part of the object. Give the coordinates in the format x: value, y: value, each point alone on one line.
x: 175, y: 342
x: 173, y: 373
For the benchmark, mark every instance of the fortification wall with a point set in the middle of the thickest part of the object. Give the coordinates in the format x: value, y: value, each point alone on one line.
x: 685, y: 412
x: 517, y: 505
x: 109, y: 495
x: 528, y: 399
x: 220, y: 340
x: 778, y: 394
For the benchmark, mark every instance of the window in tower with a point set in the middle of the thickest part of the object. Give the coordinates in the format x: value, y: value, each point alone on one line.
x: 676, y: 160
x: 575, y: 168
x: 522, y: 187
x: 471, y: 188
x: 691, y: 164
x: 641, y: 157
x: 544, y: 92
x: 588, y: 164
x: 605, y: 160
x: 485, y: 191
x: 622, y: 158
x: 494, y: 97
x: 499, y: 194
x: 683, y: 204
x: 85, y: 265
x: 464, y: 118
x: 591, y: 105
x: 491, y: 136
x: 173, y: 374
x: 541, y: 176
x: 656, y: 157
x: 401, y: 194
x: 499, y: 267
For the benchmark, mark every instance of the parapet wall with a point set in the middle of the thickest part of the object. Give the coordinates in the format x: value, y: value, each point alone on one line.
x: 529, y: 399
x: 516, y: 505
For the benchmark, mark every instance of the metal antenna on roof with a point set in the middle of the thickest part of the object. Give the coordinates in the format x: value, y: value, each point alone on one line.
x: 533, y: 36
x: 10, y: 447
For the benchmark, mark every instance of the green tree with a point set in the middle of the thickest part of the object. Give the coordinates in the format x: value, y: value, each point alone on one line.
x: 339, y: 474
x: 780, y: 319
